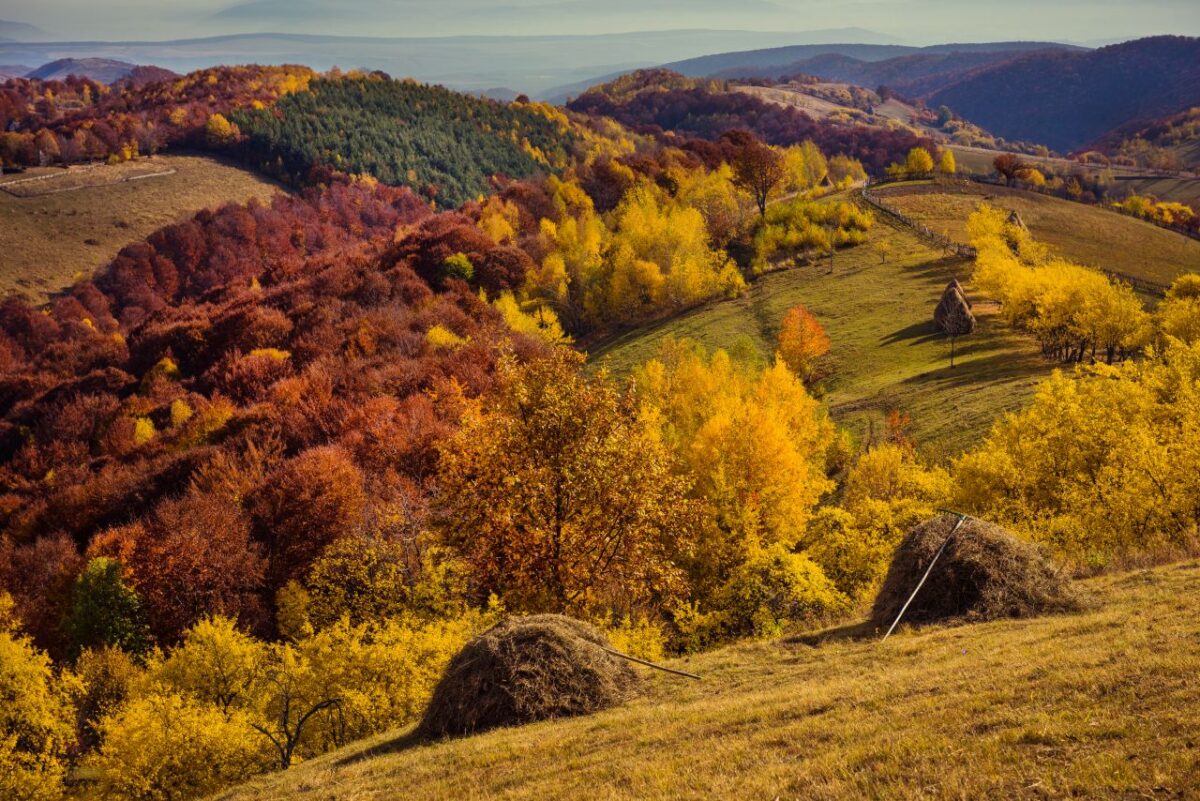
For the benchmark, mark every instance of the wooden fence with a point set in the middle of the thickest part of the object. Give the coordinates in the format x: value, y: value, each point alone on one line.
x: 943, y: 242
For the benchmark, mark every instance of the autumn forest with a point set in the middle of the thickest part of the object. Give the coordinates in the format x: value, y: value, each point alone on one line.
x: 267, y: 471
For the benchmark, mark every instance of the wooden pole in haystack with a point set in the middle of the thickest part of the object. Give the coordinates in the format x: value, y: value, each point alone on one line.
x: 961, y: 517
x: 663, y: 668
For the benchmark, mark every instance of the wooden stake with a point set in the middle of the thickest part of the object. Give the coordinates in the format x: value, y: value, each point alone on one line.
x: 650, y: 664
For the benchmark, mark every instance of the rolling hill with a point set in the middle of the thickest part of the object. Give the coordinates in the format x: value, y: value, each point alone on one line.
x: 60, y: 228
x: 1089, y: 235
x: 103, y: 70
x: 1068, y: 99
x: 1028, y: 709
x: 909, y: 70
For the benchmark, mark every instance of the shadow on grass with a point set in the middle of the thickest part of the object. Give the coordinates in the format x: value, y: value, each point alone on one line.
x: 996, y: 368
x: 852, y: 632
x: 915, y: 334
x: 394, y: 746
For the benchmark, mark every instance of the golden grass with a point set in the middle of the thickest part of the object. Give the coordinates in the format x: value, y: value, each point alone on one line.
x: 1103, y: 704
x: 46, y: 240
x: 1088, y: 235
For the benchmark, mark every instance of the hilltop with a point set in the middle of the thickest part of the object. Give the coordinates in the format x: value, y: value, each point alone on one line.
x: 1069, y: 99
x: 1032, y: 709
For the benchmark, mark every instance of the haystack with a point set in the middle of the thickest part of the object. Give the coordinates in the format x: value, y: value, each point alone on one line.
x: 523, y: 670
x: 985, y: 573
x: 1015, y: 219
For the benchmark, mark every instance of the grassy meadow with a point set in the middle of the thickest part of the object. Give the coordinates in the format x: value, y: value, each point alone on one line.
x: 59, y: 230
x: 1088, y: 235
x: 1099, y: 704
x: 886, y: 352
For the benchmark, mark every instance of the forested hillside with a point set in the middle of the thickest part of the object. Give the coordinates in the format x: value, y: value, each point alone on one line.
x: 290, y: 124
x: 1070, y: 99
x: 447, y: 145
x: 660, y: 100
x: 265, y: 473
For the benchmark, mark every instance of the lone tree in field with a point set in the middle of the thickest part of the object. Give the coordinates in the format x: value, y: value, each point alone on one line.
x: 758, y: 169
x: 953, y: 315
x: 918, y: 162
x: 1009, y: 166
x: 802, y: 341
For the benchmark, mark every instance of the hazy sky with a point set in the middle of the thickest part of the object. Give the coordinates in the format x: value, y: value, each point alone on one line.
x: 909, y: 21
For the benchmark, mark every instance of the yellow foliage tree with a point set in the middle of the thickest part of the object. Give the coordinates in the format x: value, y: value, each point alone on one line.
x: 36, y: 722
x: 219, y: 131
x: 1101, y: 467
x: 918, y: 162
x: 164, y: 746
x: 557, y: 497
x: 887, y: 492
x: 946, y: 164
x: 754, y: 445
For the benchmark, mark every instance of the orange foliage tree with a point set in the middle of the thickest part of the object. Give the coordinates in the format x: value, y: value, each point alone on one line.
x: 802, y: 340
x: 558, y: 497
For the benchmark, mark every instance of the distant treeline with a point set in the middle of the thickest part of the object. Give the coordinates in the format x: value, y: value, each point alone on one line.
x: 704, y: 110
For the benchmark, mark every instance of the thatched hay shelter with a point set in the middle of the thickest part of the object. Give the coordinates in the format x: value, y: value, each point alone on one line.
x: 1015, y: 219
x: 954, y: 284
x: 984, y: 573
x: 523, y: 670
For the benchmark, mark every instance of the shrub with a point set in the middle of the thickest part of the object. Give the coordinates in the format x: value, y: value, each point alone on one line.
x: 35, y: 723
x: 165, y: 745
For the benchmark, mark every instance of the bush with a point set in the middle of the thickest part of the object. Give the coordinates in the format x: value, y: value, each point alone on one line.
x: 167, y: 746
x: 35, y: 724
x: 772, y: 588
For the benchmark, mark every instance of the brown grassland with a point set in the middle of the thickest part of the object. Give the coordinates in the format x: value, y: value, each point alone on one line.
x: 1089, y: 235
x: 49, y: 239
x: 1098, y: 704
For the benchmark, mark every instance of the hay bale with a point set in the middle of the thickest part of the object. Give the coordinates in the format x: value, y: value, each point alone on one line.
x: 523, y: 670
x: 985, y: 573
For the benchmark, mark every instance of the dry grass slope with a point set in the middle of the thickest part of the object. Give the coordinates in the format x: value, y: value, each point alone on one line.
x: 1100, y: 704
x: 1086, y: 234
x: 50, y: 239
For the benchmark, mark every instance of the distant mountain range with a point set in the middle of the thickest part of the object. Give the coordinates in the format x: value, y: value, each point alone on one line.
x: 1063, y: 96
x: 1069, y: 99
x: 13, y: 71
x: 776, y: 61
x: 530, y: 64
x: 861, y: 64
x: 102, y: 70
x: 22, y: 32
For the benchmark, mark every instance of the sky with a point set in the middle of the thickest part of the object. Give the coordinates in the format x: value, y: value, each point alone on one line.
x: 902, y: 21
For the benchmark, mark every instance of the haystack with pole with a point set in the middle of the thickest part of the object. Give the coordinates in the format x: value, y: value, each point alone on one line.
x: 953, y: 316
x: 956, y: 567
